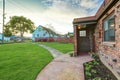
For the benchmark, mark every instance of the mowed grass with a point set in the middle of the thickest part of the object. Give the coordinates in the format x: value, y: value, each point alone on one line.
x: 63, y: 47
x: 22, y: 61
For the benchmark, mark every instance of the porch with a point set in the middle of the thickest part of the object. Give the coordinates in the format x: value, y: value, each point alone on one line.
x: 84, y: 38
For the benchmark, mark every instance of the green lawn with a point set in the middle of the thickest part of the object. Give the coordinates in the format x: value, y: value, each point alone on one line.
x: 22, y: 61
x: 63, y: 47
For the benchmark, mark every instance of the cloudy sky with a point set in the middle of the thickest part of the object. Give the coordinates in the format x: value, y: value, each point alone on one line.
x: 58, y: 13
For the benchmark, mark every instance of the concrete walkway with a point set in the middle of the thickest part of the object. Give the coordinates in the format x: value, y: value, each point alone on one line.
x: 64, y: 67
x: 55, y: 53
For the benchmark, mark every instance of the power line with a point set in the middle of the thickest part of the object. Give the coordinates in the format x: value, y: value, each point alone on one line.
x: 20, y: 6
x: 13, y: 3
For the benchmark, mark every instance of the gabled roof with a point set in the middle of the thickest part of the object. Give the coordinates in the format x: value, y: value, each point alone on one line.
x: 107, y: 4
x: 38, y: 28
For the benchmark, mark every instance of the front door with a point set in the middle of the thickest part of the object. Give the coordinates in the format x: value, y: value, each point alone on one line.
x: 84, y: 41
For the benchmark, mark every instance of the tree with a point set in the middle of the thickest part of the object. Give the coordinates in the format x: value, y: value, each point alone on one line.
x: 51, y: 32
x: 20, y: 24
x: 69, y: 34
x: 7, y: 31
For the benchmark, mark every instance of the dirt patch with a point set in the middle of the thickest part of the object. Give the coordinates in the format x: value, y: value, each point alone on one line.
x: 96, y: 70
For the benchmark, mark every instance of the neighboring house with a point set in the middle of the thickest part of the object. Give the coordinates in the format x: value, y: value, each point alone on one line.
x: 0, y: 36
x: 5, y: 38
x: 101, y: 34
x: 70, y: 34
x: 41, y: 33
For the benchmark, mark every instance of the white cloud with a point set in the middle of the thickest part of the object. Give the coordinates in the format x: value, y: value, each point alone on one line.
x: 59, y: 13
x: 62, y: 12
x: 89, y: 3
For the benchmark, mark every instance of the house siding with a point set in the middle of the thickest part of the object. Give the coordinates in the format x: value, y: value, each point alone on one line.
x: 39, y: 33
x: 109, y: 52
x: 5, y: 38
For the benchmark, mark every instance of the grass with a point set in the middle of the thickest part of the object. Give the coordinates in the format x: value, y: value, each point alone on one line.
x: 22, y: 61
x: 63, y: 47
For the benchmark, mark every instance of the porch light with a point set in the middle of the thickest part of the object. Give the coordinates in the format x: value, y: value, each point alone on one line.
x: 79, y: 27
x: 112, y: 25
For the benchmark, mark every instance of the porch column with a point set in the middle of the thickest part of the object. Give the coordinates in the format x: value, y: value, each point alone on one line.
x: 75, y: 41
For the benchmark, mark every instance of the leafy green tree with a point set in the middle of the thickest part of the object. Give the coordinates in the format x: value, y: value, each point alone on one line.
x: 20, y: 24
x: 7, y: 31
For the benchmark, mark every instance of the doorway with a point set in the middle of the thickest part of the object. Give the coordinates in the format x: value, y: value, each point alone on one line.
x: 85, y: 40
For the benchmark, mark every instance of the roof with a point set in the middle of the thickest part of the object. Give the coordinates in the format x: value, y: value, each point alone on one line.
x: 89, y: 19
x: 92, y: 19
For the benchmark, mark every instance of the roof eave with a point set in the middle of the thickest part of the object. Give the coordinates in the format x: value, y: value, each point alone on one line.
x: 85, y: 22
x: 111, y: 4
x: 108, y: 7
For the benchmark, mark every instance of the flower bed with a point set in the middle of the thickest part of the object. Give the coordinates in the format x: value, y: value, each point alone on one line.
x: 96, y: 70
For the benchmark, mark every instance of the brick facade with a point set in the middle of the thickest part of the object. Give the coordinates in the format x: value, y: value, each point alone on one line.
x: 109, y: 52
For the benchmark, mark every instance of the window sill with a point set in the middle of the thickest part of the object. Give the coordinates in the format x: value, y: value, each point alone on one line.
x: 112, y: 44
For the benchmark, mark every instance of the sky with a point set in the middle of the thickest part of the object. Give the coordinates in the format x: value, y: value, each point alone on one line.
x: 57, y: 13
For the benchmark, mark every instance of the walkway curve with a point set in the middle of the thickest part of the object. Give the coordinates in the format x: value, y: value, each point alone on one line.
x: 64, y: 67
x: 55, y: 53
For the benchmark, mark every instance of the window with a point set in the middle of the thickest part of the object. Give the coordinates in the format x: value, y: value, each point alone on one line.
x: 39, y: 29
x: 37, y: 35
x: 109, y: 28
x: 44, y: 34
x: 83, y: 33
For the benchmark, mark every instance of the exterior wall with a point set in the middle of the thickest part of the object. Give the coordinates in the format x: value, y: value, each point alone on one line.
x: 109, y: 51
x: 0, y: 36
x: 5, y: 38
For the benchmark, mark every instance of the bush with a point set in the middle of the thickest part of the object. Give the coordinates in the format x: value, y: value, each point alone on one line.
x: 71, y: 54
x: 95, y: 70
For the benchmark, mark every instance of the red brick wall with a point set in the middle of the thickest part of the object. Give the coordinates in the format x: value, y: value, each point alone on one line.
x: 109, y: 51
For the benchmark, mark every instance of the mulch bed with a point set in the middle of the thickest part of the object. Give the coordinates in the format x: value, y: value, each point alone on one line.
x: 96, y: 70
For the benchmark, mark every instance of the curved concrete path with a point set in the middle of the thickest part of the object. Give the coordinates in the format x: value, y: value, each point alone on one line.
x: 55, y: 53
x: 64, y: 67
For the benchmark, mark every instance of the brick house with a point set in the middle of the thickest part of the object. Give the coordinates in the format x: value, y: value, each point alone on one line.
x: 100, y: 34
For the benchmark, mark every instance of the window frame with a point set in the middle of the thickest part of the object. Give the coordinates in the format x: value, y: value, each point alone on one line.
x: 106, y: 30
x: 82, y: 33
x: 37, y: 35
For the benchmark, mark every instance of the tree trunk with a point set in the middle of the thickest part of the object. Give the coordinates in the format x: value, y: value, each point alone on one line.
x: 21, y: 35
